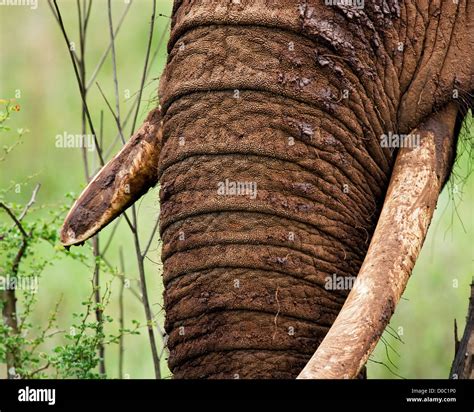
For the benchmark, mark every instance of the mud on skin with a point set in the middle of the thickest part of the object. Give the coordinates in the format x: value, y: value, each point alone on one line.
x: 249, y: 95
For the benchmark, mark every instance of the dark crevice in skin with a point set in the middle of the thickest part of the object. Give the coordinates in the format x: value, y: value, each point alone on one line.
x: 198, y: 247
x: 225, y: 239
x: 183, y: 235
x: 317, y: 277
x: 211, y: 241
x: 283, y: 363
x: 311, y: 186
x: 336, y: 297
x: 341, y: 239
x: 247, y: 309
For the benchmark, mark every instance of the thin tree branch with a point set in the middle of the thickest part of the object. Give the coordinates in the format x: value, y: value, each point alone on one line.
x: 114, y: 66
x: 121, y: 314
x: 142, y: 83
x: 9, y: 298
x: 78, y: 78
x: 106, y: 52
x: 30, y: 203
x: 140, y: 260
x: 150, y: 240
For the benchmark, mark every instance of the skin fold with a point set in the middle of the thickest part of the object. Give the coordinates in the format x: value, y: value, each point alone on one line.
x: 289, y: 100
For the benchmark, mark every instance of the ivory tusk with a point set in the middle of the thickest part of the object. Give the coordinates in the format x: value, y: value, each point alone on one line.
x: 122, y: 181
x: 417, y: 179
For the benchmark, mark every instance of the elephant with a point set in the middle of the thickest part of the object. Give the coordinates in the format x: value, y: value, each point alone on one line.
x: 300, y: 147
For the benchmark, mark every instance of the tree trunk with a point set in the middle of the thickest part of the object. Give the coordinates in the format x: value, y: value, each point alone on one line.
x: 463, y: 364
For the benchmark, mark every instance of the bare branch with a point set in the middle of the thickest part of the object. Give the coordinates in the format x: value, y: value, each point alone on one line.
x: 150, y: 240
x: 30, y: 203
x: 114, y: 65
x: 78, y: 78
x: 104, y: 55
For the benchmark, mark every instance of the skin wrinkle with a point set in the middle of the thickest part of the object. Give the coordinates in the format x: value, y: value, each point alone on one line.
x: 306, y: 102
x: 336, y: 266
x: 217, y: 270
x: 293, y: 95
x: 292, y: 164
x: 260, y: 155
x: 438, y: 90
x: 379, y: 103
x: 279, y: 260
x: 288, y: 258
x: 207, y: 310
x: 336, y: 235
x: 279, y: 227
x: 405, y: 74
x: 223, y: 324
x: 283, y: 94
x: 360, y: 71
x: 199, y: 159
x: 377, y: 54
x: 329, y: 194
x: 183, y: 289
x: 276, y: 190
x: 271, y: 362
x: 167, y: 159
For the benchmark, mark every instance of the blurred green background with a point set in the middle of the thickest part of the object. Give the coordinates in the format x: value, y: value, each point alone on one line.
x: 34, y: 61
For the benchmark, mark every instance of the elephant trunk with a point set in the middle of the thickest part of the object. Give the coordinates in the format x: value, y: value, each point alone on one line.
x: 271, y: 185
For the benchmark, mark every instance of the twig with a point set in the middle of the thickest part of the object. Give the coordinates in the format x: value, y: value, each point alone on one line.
x: 104, y: 55
x: 109, y: 241
x: 30, y: 203
x: 9, y: 298
x: 142, y: 83
x: 140, y: 260
x: 15, y: 220
x: 129, y: 113
x: 150, y: 240
x: 117, y: 122
x: 114, y: 65
x: 98, y: 302
x: 121, y: 314
x: 79, y: 81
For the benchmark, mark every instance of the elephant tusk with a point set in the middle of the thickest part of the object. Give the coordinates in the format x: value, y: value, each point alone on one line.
x: 122, y: 181
x: 417, y: 179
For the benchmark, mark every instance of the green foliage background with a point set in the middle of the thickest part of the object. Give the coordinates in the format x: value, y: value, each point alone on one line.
x: 35, y: 61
